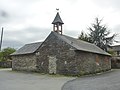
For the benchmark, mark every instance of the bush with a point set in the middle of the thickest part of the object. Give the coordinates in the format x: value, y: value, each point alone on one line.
x: 5, y: 54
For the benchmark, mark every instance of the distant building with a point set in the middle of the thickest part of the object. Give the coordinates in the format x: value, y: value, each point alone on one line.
x: 61, y: 54
x: 115, y: 49
x: 115, y: 61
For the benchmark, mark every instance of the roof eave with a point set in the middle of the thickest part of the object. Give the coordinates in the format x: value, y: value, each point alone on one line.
x: 94, y: 52
x: 21, y: 54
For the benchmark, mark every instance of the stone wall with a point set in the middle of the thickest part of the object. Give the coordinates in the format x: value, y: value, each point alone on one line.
x: 91, y: 63
x: 6, y: 64
x: 68, y: 60
x: 24, y: 62
x: 52, y: 47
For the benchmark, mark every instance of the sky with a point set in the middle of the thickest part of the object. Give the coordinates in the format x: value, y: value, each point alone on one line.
x: 29, y: 21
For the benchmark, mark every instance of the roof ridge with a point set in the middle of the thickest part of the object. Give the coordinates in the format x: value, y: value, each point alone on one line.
x: 33, y: 43
x: 82, y: 45
x: 79, y: 40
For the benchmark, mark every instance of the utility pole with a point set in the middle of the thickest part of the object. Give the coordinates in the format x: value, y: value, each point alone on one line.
x: 1, y: 39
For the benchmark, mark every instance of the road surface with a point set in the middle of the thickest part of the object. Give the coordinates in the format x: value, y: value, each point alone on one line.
x: 11, y: 80
x: 106, y: 81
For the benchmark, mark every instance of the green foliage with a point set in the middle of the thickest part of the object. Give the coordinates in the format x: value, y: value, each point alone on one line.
x: 112, y: 53
x: 83, y: 36
x: 99, y: 35
x: 5, y: 54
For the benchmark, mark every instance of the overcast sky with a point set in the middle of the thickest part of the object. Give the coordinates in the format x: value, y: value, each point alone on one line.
x: 27, y: 21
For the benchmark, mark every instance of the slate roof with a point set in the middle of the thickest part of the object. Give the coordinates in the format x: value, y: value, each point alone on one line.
x: 77, y: 44
x: 28, y: 48
x: 81, y: 45
x: 57, y: 19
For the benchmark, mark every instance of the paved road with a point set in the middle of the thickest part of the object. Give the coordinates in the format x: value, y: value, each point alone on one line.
x: 10, y: 80
x: 106, y: 81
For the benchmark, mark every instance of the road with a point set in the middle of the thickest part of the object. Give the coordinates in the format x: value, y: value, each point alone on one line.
x: 11, y: 80
x: 106, y: 81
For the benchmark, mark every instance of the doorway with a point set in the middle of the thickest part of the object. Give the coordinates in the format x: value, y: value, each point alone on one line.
x: 52, y: 65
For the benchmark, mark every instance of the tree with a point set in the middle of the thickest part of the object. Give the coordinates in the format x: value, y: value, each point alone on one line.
x: 83, y: 36
x: 5, y: 54
x: 100, y: 35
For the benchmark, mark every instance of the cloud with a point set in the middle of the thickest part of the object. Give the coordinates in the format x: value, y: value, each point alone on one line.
x: 72, y: 33
x: 11, y: 43
x: 116, y: 29
x: 27, y: 21
x: 108, y: 3
x: 24, y: 36
x: 3, y: 14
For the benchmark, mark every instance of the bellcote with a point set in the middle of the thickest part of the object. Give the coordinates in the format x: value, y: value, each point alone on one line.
x: 57, y: 24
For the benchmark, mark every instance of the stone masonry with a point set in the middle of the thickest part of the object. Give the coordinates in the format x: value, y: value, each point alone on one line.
x: 24, y: 62
x: 68, y: 60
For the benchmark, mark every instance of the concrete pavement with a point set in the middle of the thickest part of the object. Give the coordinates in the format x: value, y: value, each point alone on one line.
x: 10, y: 80
x: 106, y: 81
